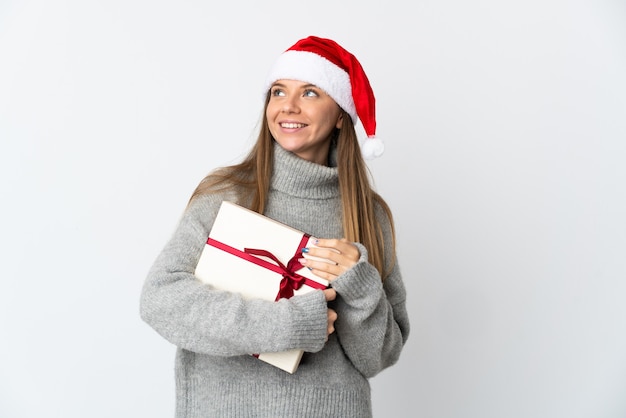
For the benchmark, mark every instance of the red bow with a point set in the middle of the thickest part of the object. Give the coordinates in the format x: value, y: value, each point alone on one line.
x: 291, y: 280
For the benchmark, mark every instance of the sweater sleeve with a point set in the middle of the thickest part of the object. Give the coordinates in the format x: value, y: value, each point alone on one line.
x: 372, y: 321
x: 194, y: 316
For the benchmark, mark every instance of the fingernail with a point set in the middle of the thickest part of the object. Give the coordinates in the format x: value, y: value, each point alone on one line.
x: 305, y: 250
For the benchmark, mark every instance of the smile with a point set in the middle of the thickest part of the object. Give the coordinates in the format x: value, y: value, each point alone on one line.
x: 291, y: 125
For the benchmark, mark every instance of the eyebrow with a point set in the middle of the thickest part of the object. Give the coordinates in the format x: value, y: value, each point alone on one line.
x: 305, y: 86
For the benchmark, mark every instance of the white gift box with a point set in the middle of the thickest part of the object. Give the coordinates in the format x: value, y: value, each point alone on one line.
x: 244, y: 253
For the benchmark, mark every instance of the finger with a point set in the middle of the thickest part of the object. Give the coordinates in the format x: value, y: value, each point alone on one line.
x: 328, y: 255
x: 342, y: 245
x: 341, y: 251
x: 330, y: 294
x: 332, y: 317
x: 323, y: 269
x: 334, y: 264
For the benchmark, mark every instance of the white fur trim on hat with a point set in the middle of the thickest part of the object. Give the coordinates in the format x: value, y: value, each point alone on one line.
x: 315, y: 69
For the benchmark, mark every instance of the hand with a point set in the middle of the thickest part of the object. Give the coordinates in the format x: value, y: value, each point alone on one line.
x: 338, y: 255
x: 330, y: 294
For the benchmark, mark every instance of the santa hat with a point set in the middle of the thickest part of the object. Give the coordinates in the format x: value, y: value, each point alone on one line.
x: 329, y: 66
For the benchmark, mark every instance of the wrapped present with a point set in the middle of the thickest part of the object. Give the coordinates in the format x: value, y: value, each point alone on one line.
x: 257, y: 257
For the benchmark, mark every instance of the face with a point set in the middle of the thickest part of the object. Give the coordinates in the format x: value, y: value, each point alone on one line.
x: 301, y: 118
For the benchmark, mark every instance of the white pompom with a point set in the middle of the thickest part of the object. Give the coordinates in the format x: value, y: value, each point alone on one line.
x: 372, y: 147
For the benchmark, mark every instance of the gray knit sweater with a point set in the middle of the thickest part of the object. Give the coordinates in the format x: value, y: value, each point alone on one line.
x: 215, y: 331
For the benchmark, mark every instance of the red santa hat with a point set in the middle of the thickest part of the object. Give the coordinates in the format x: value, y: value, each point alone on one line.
x: 329, y: 66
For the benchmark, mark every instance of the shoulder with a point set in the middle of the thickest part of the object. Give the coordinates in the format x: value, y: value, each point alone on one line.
x: 234, y: 183
x: 202, y: 209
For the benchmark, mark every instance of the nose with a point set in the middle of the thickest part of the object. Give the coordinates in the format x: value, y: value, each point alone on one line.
x: 290, y: 104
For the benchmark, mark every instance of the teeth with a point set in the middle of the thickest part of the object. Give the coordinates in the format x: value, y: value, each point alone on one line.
x: 292, y: 125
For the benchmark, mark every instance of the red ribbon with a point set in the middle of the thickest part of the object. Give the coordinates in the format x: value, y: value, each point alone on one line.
x: 291, y: 280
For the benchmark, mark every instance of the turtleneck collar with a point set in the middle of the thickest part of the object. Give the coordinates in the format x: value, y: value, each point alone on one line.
x: 301, y: 178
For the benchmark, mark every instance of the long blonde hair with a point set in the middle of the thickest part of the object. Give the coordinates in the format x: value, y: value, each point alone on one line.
x: 252, y: 177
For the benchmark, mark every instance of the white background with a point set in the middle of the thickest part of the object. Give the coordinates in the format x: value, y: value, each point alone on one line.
x: 505, y: 126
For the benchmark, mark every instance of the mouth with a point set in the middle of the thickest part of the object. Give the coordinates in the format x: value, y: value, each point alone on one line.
x: 292, y: 125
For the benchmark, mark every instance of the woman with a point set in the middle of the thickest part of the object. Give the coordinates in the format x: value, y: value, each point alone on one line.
x: 306, y: 170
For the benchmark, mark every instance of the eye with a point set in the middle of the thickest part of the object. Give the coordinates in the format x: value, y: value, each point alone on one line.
x: 310, y: 93
x: 277, y: 91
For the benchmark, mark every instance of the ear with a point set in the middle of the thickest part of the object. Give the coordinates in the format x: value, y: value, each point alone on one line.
x: 339, y: 123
